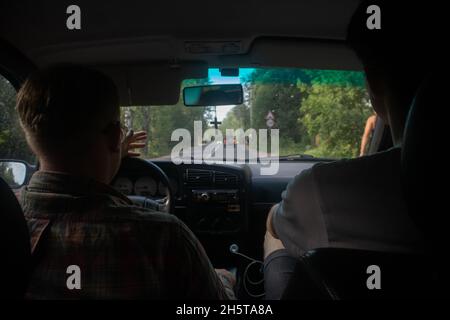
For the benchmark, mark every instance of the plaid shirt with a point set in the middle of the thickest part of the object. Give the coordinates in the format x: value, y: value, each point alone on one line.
x: 123, y: 251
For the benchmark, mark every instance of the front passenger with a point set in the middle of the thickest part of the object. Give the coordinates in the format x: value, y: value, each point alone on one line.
x: 71, y: 118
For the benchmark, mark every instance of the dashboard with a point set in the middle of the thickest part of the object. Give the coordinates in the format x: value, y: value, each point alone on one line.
x: 221, y: 204
x: 210, y: 199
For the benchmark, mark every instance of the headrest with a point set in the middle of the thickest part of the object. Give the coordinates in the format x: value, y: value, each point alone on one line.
x: 423, y: 156
x: 14, y: 245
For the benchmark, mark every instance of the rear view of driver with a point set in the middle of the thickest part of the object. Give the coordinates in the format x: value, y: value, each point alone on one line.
x: 89, y: 241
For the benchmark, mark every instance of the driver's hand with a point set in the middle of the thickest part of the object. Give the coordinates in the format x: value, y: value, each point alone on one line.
x: 271, y: 244
x: 269, y: 226
x: 133, y: 140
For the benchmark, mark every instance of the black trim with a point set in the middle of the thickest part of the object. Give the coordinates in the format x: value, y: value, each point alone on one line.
x: 14, y: 65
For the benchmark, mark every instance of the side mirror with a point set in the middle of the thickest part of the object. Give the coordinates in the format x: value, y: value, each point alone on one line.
x: 213, y: 95
x: 15, y: 172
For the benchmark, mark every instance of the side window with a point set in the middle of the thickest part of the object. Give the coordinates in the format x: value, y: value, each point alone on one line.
x: 12, y: 139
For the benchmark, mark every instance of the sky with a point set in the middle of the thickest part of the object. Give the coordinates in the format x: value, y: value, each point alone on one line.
x: 216, y: 78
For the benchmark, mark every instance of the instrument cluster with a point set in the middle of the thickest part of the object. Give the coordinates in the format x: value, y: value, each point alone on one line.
x: 145, y: 186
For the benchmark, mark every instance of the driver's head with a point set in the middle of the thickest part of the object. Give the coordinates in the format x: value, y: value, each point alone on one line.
x: 71, y: 118
x: 395, y: 57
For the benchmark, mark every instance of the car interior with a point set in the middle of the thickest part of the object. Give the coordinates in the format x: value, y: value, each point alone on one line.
x: 156, y: 49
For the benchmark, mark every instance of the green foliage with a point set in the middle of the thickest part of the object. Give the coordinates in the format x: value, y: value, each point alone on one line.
x: 318, y: 112
x: 12, y: 139
x: 336, y: 78
x: 334, y: 116
x: 238, y: 117
x: 289, y: 147
x: 272, y: 90
x: 159, y: 122
x: 6, y: 173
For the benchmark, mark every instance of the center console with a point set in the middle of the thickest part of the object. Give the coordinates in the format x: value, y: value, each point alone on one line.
x: 216, y: 200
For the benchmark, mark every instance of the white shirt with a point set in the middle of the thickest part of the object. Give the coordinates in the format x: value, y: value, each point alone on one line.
x: 356, y: 204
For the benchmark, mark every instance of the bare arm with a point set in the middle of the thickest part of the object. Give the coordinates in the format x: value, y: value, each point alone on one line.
x: 296, y: 223
x: 269, y: 224
x: 370, y: 125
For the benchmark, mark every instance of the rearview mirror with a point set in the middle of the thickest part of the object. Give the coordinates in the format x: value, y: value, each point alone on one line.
x: 213, y: 95
x: 14, y: 173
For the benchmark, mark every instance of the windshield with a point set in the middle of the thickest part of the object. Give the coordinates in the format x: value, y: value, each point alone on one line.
x: 320, y: 113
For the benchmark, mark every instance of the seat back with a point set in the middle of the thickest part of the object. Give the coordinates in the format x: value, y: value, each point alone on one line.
x: 342, y: 273
x: 336, y: 273
x: 426, y: 172
x: 15, y: 264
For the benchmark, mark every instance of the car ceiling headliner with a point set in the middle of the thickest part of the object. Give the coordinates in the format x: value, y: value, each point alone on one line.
x: 306, y: 33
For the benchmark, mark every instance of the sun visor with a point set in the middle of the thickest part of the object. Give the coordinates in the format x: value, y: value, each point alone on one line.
x: 153, y: 84
x: 298, y: 53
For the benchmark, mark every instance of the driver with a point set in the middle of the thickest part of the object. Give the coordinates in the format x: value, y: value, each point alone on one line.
x: 358, y: 203
x: 88, y: 239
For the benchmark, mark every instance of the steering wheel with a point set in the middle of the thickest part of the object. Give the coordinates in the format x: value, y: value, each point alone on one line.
x: 165, y: 204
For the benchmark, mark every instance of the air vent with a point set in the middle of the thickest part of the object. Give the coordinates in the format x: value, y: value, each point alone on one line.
x: 225, y: 179
x: 197, y: 178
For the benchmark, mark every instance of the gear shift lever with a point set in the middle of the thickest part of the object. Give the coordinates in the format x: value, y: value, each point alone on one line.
x: 234, y: 249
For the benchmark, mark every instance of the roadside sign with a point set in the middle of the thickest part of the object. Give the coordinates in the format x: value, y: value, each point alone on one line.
x: 270, y: 116
x: 270, y: 119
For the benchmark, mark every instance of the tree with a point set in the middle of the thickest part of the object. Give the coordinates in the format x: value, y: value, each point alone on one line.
x: 160, y: 121
x: 236, y: 118
x: 320, y: 112
x: 7, y: 174
x: 276, y: 90
x: 12, y: 139
x: 334, y: 115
